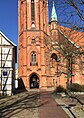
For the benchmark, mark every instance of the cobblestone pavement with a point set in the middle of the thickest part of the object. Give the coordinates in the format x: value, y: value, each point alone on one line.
x: 33, y: 104
x: 30, y: 105
x: 22, y: 105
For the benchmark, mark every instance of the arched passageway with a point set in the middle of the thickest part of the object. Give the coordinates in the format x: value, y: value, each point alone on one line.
x: 34, y: 81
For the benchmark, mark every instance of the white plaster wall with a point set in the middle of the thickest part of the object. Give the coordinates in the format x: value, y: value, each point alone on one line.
x: 6, y: 60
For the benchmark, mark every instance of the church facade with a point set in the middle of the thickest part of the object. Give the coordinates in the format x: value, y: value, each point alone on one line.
x: 39, y: 67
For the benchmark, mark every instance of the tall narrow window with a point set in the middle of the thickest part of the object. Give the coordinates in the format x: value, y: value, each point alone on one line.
x: 32, y: 10
x: 54, y: 59
x: 33, y: 59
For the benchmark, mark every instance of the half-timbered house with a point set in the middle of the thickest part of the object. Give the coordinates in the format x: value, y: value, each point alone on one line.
x: 7, y: 65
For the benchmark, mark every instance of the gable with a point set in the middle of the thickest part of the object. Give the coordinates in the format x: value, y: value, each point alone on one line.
x: 5, y: 41
x: 7, y: 45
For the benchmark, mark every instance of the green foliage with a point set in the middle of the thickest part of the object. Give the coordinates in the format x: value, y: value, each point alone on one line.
x: 82, y: 87
x: 76, y: 87
x: 60, y: 89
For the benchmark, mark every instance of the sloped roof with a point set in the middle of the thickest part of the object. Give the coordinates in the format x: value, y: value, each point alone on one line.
x: 73, y: 35
x: 7, y: 39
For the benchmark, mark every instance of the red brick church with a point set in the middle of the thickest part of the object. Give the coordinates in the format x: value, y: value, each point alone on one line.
x: 39, y: 67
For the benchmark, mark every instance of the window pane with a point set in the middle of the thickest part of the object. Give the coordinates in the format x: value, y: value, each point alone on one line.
x: 32, y: 10
x: 34, y: 57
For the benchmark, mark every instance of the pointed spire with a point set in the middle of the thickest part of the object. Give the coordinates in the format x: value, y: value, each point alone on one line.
x: 53, y: 14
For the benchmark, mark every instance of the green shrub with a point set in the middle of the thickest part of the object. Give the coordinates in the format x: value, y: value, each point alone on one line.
x: 75, y: 87
x: 60, y: 89
x: 82, y: 87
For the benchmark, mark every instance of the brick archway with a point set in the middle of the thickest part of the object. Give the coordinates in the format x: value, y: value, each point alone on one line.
x: 34, y: 81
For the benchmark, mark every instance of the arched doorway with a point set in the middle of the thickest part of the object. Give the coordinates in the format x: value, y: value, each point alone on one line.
x: 34, y: 81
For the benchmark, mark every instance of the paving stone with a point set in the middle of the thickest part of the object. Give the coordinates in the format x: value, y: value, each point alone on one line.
x: 75, y: 111
x: 23, y: 105
x: 36, y: 104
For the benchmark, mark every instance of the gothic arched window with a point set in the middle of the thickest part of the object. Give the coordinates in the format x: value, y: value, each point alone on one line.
x: 53, y: 59
x: 54, y: 56
x: 33, y: 59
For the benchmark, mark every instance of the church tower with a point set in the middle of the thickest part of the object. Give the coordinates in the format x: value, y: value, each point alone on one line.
x: 38, y: 63
x: 32, y: 28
